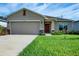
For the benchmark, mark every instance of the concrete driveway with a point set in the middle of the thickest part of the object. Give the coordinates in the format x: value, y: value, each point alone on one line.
x: 11, y: 45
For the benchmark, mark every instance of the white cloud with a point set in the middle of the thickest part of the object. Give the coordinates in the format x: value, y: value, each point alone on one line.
x: 41, y: 8
x: 68, y: 12
x: 46, y: 9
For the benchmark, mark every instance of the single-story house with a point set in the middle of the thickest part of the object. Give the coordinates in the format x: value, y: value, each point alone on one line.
x: 25, y: 21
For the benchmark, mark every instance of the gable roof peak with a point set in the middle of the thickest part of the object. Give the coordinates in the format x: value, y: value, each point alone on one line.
x: 24, y: 8
x: 27, y: 10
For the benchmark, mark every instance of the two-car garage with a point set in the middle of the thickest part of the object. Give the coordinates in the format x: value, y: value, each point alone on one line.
x: 24, y: 21
x: 25, y: 27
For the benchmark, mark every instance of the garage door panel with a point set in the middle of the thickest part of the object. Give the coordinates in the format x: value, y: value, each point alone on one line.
x: 25, y: 27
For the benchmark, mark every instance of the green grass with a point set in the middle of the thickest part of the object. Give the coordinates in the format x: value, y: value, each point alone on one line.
x: 55, y: 45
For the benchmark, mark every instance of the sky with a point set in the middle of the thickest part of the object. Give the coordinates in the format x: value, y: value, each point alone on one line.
x: 64, y: 10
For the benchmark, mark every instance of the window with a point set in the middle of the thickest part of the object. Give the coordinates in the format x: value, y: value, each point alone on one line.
x: 24, y: 12
x: 61, y: 27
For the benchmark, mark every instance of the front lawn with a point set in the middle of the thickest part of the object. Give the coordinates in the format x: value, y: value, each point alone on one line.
x: 55, y: 45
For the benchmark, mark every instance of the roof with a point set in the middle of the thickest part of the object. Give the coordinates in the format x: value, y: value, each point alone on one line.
x: 3, y: 19
x: 77, y: 21
x: 57, y: 18
x: 44, y: 16
x: 25, y: 9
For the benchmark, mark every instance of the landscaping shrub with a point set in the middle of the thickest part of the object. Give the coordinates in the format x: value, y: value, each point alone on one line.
x: 61, y: 33
x: 2, y: 30
x: 41, y: 32
x: 58, y: 33
x: 73, y: 32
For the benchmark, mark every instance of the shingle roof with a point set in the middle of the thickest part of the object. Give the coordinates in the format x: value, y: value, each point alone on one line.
x: 27, y: 10
x: 44, y: 16
x: 57, y: 18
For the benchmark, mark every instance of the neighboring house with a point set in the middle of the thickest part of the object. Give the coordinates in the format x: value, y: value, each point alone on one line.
x: 26, y: 21
x: 3, y: 19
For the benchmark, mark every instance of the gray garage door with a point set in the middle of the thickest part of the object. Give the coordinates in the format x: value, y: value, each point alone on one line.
x: 25, y: 27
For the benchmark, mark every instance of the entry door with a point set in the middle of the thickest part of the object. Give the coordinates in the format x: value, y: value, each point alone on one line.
x: 47, y: 28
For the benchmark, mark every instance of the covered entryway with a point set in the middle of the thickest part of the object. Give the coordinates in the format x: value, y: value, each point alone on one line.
x: 47, y: 27
x: 25, y: 27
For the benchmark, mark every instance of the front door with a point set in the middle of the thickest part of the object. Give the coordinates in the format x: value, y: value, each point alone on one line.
x: 47, y: 27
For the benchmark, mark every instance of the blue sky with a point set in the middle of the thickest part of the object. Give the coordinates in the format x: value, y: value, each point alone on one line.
x: 66, y: 10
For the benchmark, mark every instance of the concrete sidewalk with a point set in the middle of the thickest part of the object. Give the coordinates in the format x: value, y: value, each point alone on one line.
x: 11, y: 45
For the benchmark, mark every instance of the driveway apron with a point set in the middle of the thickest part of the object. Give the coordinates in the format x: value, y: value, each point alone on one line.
x: 11, y: 45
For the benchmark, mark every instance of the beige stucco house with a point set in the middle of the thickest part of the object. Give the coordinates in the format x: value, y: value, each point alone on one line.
x: 25, y: 21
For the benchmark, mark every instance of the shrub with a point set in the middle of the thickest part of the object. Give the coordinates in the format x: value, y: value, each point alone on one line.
x: 73, y: 32
x: 41, y: 32
x: 58, y: 33
x: 2, y: 30
x: 68, y: 32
